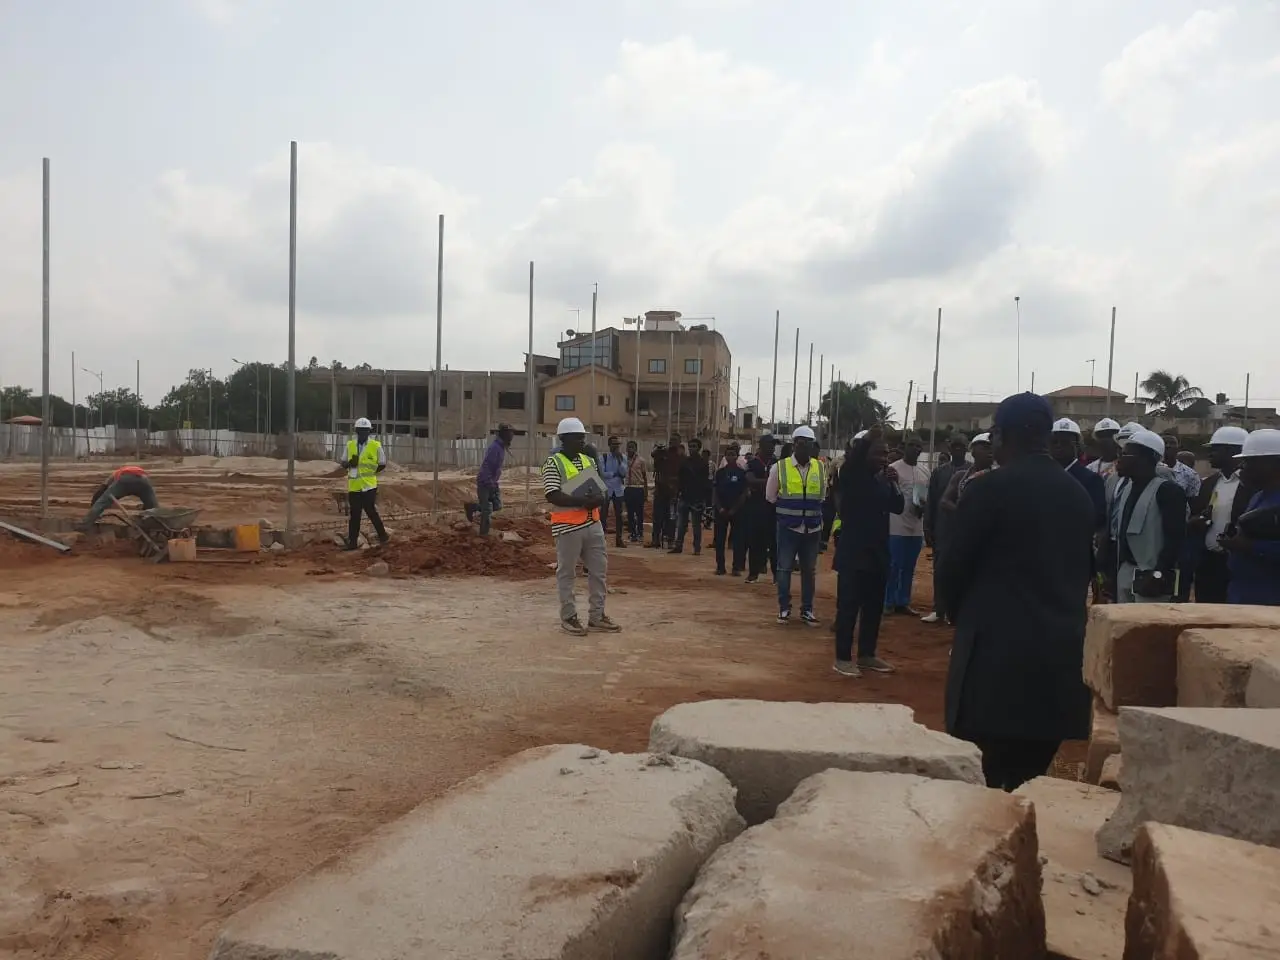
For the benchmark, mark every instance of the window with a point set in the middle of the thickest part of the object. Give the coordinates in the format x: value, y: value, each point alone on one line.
x: 564, y: 402
x: 466, y: 394
x: 630, y: 405
x: 578, y: 354
x: 644, y: 404
x: 444, y: 398
x: 657, y: 366
x: 510, y: 399
x: 747, y: 423
x: 693, y: 366
x: 604, y: 400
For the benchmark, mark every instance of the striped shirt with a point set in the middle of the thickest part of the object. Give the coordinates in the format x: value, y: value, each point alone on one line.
x: 552, y: 480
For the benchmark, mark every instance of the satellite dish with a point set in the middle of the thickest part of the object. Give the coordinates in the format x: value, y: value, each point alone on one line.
x: 571, y: 333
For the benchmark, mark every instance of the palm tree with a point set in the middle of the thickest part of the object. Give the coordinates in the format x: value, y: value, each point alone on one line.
x: 1168, y: 394
x: 855, y: 408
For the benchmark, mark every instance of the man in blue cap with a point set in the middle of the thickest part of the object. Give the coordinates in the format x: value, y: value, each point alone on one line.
x: 1015, y: 577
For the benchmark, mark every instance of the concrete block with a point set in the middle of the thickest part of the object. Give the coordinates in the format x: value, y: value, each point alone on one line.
x: 1130, y: 652
x: 1104, y: 740
x: 1264, y: 684
x: 767, y: 748
x: 890, y: 866
x: 1111, y: 772
x: 562, y: 852
x: 1201, y: 897
x: 1214, y: 665
x: 1215, y: 769
x: 1084, y: 895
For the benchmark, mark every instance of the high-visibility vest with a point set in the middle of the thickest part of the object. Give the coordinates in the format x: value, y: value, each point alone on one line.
x: 571, y: 515
x: 366, y: 477
x: 129, y: 470
x: 836, y: 525
x: 799, y: 505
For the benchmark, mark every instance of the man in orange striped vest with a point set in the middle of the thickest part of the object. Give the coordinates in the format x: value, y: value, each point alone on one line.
x: 128, y: 481
x: 576, y: 492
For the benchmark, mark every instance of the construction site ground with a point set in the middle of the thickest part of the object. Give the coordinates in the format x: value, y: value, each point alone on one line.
x: 177, y: 740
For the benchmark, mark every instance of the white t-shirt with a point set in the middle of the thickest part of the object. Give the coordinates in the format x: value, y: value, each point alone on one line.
x: 1103, y: 468
x: 914, y: 484
x: 1224, y: 495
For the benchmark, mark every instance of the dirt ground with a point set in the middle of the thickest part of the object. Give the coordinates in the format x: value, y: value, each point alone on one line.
x: 177, y: 740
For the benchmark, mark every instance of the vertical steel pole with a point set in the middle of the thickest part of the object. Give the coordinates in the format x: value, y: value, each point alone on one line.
x: 1246, y: 399
x: 635, y: 403
x: 836, y: 384
x: 435, y: 378
x: 528, y: 400
x: 795, y: 382
x: 594, y: 294
x: 1111, y: 360
x: 291, y: 390
x: 671, y: 381
x: 773, y: 404
x: 697, y: 396
x: 937, y: 355
x: 808, y: 391
x: 73, y: 408
x: 137, y: 408
x: 44, y: 370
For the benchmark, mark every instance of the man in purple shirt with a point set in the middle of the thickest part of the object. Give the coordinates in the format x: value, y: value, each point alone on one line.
x: 487, y: 498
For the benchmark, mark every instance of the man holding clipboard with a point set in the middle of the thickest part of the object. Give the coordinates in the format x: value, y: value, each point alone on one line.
x: 576, y: 492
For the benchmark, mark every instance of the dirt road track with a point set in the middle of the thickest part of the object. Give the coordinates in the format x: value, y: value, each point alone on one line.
x: 176, y: 741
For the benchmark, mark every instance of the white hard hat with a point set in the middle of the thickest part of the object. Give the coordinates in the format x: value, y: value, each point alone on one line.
x: 1261, y: 443
x: 980, y: 438
x: 860, y: 434
x: 1229, y: 437
x: 1066, y: 426
x: 1106, y: 425
x: 1128, y: 430
x: 364, y: 424
x: 570, y: 425
x: 1145, y: 438
x: 803, y: 433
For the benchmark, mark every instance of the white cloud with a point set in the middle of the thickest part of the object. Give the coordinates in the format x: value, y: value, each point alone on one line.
x: 1226, y: 164
x: 1145, y: 81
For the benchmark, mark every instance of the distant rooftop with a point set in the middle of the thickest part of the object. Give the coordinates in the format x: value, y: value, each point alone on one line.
x: 1085, y: 393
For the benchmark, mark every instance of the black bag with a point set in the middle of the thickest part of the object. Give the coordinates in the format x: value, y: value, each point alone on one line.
x: 1260, y: 524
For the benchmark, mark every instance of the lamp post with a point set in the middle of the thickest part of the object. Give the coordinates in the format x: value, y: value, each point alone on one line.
x: 1017, y: 306
x: 98, y: 375
x: 257, y: 430
x: 638, y: 319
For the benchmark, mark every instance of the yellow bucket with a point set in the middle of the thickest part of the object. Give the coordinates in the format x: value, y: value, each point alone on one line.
x: 248, y: 538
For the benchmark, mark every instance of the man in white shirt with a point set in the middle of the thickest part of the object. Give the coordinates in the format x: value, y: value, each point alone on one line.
x: 1104, y: 432
x: 1221, y: 500
x: 906, y: 529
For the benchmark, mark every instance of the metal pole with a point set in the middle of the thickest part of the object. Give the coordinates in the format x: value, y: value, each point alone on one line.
x: 291, y: 391
x: 44, y: 370
x: 697, y: 396
x: 528, y: 401
x: 137, y: 408
x: 773, y: 404
x: 1017, y: 304
x: 1093, y: 366
x: 1246, y: 399
x: 795, y: 381
x: 737, y: 399
x: 257, y: 395
x: 836, y: 384
x: 1033, y: 381
x: 822, y: 365
x: 937, y: 356
x: 808, y: 391
x: 906, y: 417
x: 1111, y: 360
x: 671, y: 381
x: 594, y: 294
x: 635, y: 403
x: 435, y: 377
x: 1135, y: 389
x: 757, y: 403
x: 73, y: 410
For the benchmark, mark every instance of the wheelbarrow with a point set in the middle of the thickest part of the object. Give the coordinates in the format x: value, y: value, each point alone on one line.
x: 154, y: 528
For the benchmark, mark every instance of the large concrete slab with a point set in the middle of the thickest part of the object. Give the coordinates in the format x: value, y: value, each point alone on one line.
x: 1084, y: 895
x: 890, y: 866
x: 1104, y: 740
x: 1215, y: 769
x: 767, y: 748
x: 1264, y: 684
x: 560, y: 852
x: 1130, y: 649
x: 1201, y: 897
x: 1214, y: 665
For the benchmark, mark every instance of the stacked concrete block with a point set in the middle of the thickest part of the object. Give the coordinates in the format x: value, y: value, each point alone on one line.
x: 1202, y: 897
x: 1104, y: 741
x: 890, y: 866
x: 1214, y: 666
x: 1211, y: 769
x: 1130, y: 651
x: 1264, y: 684
x: 1112, y: 770
x: 563, y: 851
x: 766, y: 749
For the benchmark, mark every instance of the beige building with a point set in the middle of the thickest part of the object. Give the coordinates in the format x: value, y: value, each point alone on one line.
x: 1085, y: 405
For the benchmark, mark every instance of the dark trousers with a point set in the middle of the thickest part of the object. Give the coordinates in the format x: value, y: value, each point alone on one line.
x: 129, y: 485
x: 1008, y: 764
x: 939, y: 607
x: 687, y: 509
x: 662, y: 502
x: 762, y: 538
x: 365, y: 501
x: 633, y: 497
x: 613, y: 504
x: 859, y: 600
x: 1188, y: 560
x: 487, y: 500
x: 1212, y: 577
x: 731, y: 529
x: 828, y: 519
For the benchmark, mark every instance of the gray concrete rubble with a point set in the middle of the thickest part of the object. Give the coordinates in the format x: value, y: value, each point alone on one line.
x: 1112, y: 770
x: 767, y: 748
x: 562, y: 852
x: 890, y: 866
x: 1215, y: 769
x: 1130, y: 649
x: 1084, y: 895
x: 1264, y: 684
x: 1202, y: 897
x: 1214, y: 665
x: 1104, y: 740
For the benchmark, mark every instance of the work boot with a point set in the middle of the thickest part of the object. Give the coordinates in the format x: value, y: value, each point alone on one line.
x: 470, y: 508
x: 874, y: 663
x: 574, y: 626
x: 603, y: 624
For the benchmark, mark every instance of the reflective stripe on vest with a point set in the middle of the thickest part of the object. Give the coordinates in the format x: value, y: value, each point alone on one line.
x: 569, y: 515
x: 799, y: 505
x: 836, y: 525
x: 126, y: 471
x: 366, y: 477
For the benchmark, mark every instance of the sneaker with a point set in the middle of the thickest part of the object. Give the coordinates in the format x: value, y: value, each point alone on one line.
x: 604, y: 624
x: 875, y: 664
x: 676, y: 550
x: 574, y: 626
x: 720, y: 571
x: 808, y: 618
x: 784, y: 616
x: 752, y: 579
x: 907, y: 611
x: 931, y: 618
x: 736, y: 573
x: 847, y: 668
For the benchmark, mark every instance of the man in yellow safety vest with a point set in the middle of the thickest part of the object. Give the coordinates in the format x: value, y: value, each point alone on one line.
x: 576, y: 492
x: 797, y: 487
x: 365, y: 459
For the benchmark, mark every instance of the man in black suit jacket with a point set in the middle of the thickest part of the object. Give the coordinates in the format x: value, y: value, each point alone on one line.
x: 1015, y: 576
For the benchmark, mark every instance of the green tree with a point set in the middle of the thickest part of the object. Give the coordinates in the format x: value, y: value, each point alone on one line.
x: 854, y: 408
x: 1169, y: 394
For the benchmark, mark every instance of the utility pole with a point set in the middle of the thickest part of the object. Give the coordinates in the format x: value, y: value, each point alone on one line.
x: 435, y: 377
x: 594, y: 294
x: 671, y: 381
x: 808, y: 391
x: 795, y: 378
x: 1093, y: 366
x: 937, y: 357
x: 44, y: 369
x: 1017, y: 305
x: 291, y: 388
x: 773, y: 404
x: 1111, y: 360
x: 137, y: 410
x: 528, y: 397
x: 906, y: 417
x: 836, y: 384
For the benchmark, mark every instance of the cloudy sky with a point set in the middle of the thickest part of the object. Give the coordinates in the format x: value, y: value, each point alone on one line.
x: 854, y: 165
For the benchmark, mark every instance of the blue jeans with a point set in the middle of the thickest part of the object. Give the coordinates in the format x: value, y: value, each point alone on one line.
x: 903, y: 554
x: 793, y: 546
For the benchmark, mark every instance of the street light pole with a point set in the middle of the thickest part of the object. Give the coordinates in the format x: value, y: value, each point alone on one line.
x: 1017, y: 306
